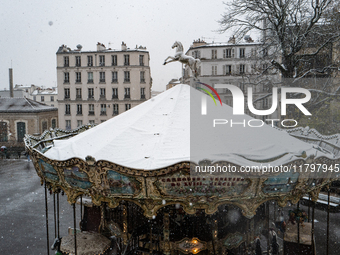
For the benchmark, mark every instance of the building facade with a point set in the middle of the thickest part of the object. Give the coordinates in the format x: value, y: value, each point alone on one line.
x: 20, y: 116
x: 241, y: 64
x: 48, y: 96
x: 94, y: 86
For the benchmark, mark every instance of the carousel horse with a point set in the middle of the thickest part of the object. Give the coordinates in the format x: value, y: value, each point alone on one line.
x: 184, y: 59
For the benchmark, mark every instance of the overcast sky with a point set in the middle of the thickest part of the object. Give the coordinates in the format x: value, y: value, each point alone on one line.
x: 32, y: 31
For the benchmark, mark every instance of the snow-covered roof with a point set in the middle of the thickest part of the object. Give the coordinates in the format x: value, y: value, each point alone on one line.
x: 169, y: 129
x: 23, y: 105
x: 51, y: 92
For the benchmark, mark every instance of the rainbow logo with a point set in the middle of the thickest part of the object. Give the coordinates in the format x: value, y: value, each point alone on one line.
x: 204, y: 100
x: 213, y: 90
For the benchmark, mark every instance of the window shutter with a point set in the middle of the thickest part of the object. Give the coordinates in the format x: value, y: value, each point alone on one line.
x: 232, y: 53
x: 224, y: 69
x: 224, y: 53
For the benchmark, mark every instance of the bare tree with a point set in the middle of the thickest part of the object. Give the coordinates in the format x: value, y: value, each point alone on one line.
x: 295, y: 30
x: 301, y: 40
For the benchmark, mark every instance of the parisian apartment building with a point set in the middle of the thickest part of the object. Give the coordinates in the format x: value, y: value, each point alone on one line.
x: 243, y: 64
x: 94, y: 86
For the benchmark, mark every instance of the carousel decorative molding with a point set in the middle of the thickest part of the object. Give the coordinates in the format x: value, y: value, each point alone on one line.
x: 173, y: 189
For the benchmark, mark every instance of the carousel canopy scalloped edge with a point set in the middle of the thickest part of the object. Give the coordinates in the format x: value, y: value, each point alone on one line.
x: 107, y: 182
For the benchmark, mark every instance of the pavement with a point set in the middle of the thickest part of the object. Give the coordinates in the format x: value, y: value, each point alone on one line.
x: 22, y: 210
x: 22, y: 214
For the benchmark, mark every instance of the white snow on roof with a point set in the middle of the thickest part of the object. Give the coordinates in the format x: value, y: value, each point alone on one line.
x: 157, y: 134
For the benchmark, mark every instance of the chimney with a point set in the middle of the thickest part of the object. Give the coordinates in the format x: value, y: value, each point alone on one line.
x: 124, y: 46
x: 11, y: 82
x: 100, y: 47
x: 198, y: 43
x: 232, y: 40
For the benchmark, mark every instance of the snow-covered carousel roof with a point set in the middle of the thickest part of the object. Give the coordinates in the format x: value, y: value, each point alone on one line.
x: 147, y: 155
x: 165, y: 130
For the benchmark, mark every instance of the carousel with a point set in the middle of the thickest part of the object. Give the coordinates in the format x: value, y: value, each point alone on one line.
x: 143, y: 187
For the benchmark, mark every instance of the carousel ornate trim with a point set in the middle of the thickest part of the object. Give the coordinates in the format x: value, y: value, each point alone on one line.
x: 107, y: 182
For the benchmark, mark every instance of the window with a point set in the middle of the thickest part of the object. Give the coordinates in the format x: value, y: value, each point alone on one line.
x: 142, y: 76
x: 253, y: 52
x: 89, y: 60
x: 214, y: 70
x: 21, y: 131
x: 115, y: 109
x: 196, y: 54
x: 114, y: 77
x: 67, y: 109
x: 114, y: 60
x: 78, y: 93
x: 66, y: 77
x: 103, y: 109
x: 90, y: 93
x: 66, y: 61
x: 213, y: 54
x: 79, y: 123
x: 67, y: 93
x: 34, y: 98
x: 265, y: 68
x: 78, y: 76
x: 90, y: 77
x: 79, y: 109
x: 242, y: 69
x: 91, y: 109
x: 242, y: 52
x: 101, y: 60
x: 141, y: 60
x: 91, y: 122
x: 227, y: 69
x: 78, y: 62
x: 101, y: 76
x: 265, y: 52
x: 42, y: 99
x: 68, y: 124
x: 227, y: 53
x: 54, y: 123
x: 43, y: 126
x: 102, y: 93
x: 126, y: 60
x: 127, y: 107
x: 114, y: 93
x: 126, y: 76
x: 3, y: 131
x: 142, y: 93
x: 52, y: 98
x: 126, y: 92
